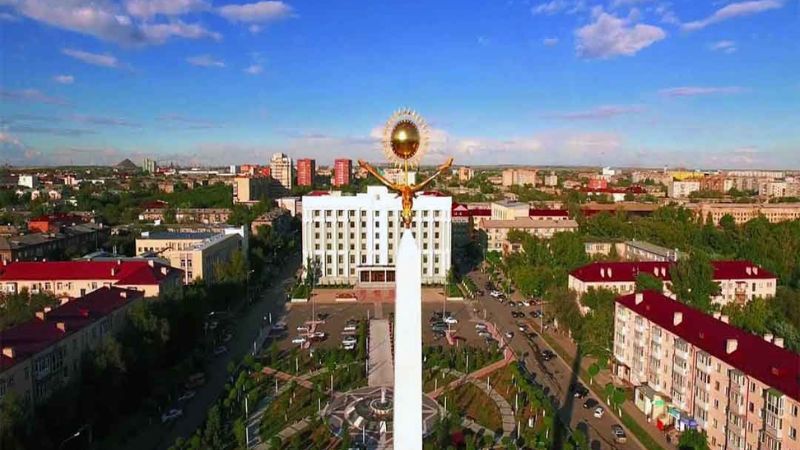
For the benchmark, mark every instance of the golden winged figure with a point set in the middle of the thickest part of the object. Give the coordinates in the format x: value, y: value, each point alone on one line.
x: 405, y: 190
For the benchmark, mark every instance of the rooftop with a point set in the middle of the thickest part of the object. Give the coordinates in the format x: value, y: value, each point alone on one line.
x: 528, y: 223
x: 622, y: 272
x: 35, y: 335
x: 177, y: 235
x: 122, y: 272
x: 537, y: 212
x: 774, y: 366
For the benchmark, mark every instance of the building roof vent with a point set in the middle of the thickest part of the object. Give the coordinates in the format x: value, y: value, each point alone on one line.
x: 602, y: 272
x: 62, y: 326
x: 9, y: 352
x: 731, y: 345
x: 768, y: 337
x: 639, y: 298
x: 778, y: 341
x: 748, y: 270
x: 724, y: 318
x: 677, y: 318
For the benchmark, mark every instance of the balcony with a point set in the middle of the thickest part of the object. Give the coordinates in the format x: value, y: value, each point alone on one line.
x: 682, y: 354
x: 681, y: 370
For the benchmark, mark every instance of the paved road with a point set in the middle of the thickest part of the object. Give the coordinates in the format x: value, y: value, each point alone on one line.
x: 246, y: 330
x: 381, y: 366
x: 555, y: 375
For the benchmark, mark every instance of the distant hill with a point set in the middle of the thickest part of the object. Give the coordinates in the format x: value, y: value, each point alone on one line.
x: 127, y: 164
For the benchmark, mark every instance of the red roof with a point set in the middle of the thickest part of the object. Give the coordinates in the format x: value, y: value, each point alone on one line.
x: 154, y: 204
x: 548, y: 212
x: 480, y: 212
x: 433, y: 193
x: 35, y: 335
x: 622, y: 272
x: 318, y: 193
x: 774, y: 366
x: 122, y: 272
x: 58, y: 217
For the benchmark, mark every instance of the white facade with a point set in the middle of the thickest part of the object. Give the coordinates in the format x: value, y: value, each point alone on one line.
x: 281, y: 170
x: 28, y: 181
x: 352, y: 235
x: 682, y: 189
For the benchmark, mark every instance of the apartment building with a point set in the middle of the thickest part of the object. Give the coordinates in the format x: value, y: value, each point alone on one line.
x: 342, y: 168
x: 196, y: 254
x: 44, y: 354
x: 306, y: 169
x: 354, y: 238
x: 282, y: 170
x: 778, y: 189
x: 497, y: 230
x: 74, y: 239
x: 507, y: 210
x: 744, y: 212
x: 519, y: 177
x: 739, y: 281
x: 645, y: 251
x: 78, y: 278
x: 548, y: 214
x: 251, y: 189
x: 694, y: 370
x: 551, y: 180
x: 465, y: 174
x: 682, y: 189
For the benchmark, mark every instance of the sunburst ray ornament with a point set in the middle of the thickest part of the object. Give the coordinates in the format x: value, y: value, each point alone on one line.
x: 406, y: 138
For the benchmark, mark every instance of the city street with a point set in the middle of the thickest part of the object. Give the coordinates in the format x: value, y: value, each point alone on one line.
x: 162, y: 436
x: 555, y: 375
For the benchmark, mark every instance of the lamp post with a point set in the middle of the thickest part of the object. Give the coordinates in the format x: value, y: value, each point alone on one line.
x: 76, y: 434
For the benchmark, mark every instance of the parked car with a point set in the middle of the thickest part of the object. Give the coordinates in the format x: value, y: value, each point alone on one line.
x: 299, y: 340
x: 598, y: 413
x: 349, y: 346
x: 302, y: 329
x: 526, y: 303
x: 186, y: 396
x: 227, y: 337
x: 484, y: 334
x: 590, y: 403
x: 171, y: 415
x: 450, y: 320
x: 220, y: 350
x: 349, y: 340
x: 547, y: 355
x: 619, y: 434
x: 509, y: 334
x: 580, y: 391
x: 349, y: 328
x: 480, y: 326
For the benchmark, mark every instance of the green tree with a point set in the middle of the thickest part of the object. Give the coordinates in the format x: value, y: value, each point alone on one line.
x: 12, y: 421
x: 214, y: 434
x: 693, y: 281
x: 693, y: 440
x: 647, y: 282
x: 233, y: 271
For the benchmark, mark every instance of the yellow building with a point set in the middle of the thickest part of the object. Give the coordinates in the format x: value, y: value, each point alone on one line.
x: 251, y: 189
x: 196, y: 254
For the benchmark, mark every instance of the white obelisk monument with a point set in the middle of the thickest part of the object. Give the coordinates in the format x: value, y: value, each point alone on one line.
x: 408, y: 346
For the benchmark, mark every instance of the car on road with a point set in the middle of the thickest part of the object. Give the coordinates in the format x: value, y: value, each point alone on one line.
x: 526, y: 303
x: 221, y: 350
x: 300, y: 340
x: 547, y: 355
x: 510, y: 334
x: 480, y: 326
x: 349, y: 346
x: 517, y: 314
x: 484, y: 334
x: 579, y: 390
x: 598, y: 412
x: 450, y: 320
x: 590, y: 403
x: 495, y: 294
x: 619, y: 434
x: 186, y: 396
x: 349, y: 327
x: 530, y: 334
x: 171, y: 415
x: 349, y: 340
x: 302, y: 329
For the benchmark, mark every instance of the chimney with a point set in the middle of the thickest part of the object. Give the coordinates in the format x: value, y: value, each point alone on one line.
x: 723, y: 318
x: 755, y: 270
x: 609, y: 272
x: 62, y: 326
x: 639, y: 298
x: 602, y: 272
x: 40, y: 315
x: 9, y: 352
x: 778, y: 341
x: 164, y: 270
x: 47, y: 309
x: 749, y: 270
x: 123, y: 294
x: 717, y: 314
x: 768, y: 337
x: 677, y: 318
x: 113, y: 271
x: 731, y: 345
x: 151, y: 263
x: 119, y: 262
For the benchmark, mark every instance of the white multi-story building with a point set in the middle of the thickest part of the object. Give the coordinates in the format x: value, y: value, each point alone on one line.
x: 281, y: 170
x: 28, y: 181
x: 682, y: 189
x: 354, y: 238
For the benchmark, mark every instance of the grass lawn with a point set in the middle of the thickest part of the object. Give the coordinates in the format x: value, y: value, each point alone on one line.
x: 441, y: 379
x: 472, y: 401
x: 288, y: 408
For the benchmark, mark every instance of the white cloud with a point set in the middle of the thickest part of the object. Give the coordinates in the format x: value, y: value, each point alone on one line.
x: 599, y: 113
x: 254, y: 69
x: 64, y: 79
x: 259, y: 12
x: 109, y: 21
x: 694, y: 91
x: 623, y: 3
x: 95, y: 59
x: 148, y: 8
x: 255, y: 29
x: 104, y: 121
x: 733, y: 10
x: 723, y: 46
x: 30, y: 96
x: 161, y: 32
x: 556, y: 6
x: 550, y: 42
x: 205, y: 61
x: 609, y: 36
x: 8, y: 17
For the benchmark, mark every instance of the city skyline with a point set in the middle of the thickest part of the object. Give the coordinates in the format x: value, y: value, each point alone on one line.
x: 620, y: 82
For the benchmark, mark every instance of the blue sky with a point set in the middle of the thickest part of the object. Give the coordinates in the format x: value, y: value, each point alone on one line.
x: 621, y: 82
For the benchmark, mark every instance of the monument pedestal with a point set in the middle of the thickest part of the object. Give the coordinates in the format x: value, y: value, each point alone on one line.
x: 408, y: 346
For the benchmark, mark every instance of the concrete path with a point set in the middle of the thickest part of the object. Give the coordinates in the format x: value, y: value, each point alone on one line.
x: 381, y: 366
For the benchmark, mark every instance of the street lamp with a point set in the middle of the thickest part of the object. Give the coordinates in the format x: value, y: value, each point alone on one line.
x: 74, y: 435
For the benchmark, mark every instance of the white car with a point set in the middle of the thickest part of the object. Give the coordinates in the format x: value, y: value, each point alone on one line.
x: 299, y: 340
x: 526, y: 303
x: 349, y: 346
x: 350, y: 328
x: 220, y: 350
x: 496, y: 294
x: 302, y: 329
x: 480, y: 326
x: 598, y: 412
x: 170, y: 415
x: 450, y: 320
x: 188, y: 395
x: 349, y: 340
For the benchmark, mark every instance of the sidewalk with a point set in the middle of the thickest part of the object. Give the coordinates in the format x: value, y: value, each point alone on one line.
x: 603, y: 378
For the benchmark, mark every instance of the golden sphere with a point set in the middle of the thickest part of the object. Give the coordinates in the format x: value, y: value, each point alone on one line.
x: 405, y: 139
